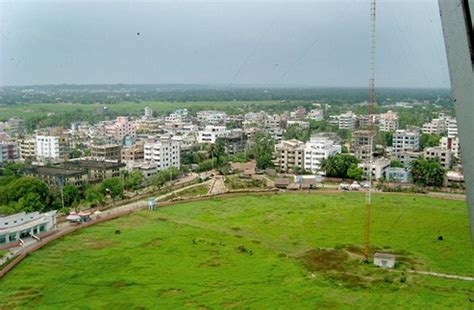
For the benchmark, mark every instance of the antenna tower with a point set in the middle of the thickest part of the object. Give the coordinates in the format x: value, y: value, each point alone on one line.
x: 371, y: 106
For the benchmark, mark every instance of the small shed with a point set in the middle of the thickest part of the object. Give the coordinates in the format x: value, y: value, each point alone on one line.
x: 344, y: 187
x: 282, y: 182
x: 355, y: 186
x: 384, y: 260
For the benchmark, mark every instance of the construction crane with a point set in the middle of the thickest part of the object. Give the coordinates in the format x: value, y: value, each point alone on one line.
x: 371, y: 109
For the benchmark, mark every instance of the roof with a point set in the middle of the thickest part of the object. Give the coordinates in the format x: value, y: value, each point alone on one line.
x: 92, y: 164
x: 54, y: 171
x: 384, y: 255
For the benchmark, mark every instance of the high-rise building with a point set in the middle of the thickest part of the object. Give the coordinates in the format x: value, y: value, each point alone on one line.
x: 406, y: 140
x: 389, y: 121
x: 317, y: 149
x: 165, y: 153
x: 288, y: 155
x: 51, y: 148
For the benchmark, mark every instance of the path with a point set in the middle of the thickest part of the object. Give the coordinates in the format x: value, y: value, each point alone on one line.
x: 217, y: 185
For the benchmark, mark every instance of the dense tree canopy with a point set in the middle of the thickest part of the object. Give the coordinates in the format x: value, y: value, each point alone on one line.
x: 263, y: 150
x: 338, y: 165
x: 427, y: 172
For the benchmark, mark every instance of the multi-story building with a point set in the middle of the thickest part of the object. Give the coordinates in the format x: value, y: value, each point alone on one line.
x: 96, y: 170
x: 288, y: 155
x: 298, y: 114
x: 148, y: 113
x: 436, y: 126
x: 27, y: 149
x: 406, y: 157
x: 121, y: 128
x: 361, y: 144
x: 16, y: 126
x: 406, y: 140
x: 452, y: 128
x: 52, y: 148
x: 347, y: 120
x: 397, y: 174
x: 8, y: 151
x: 377, y: 167
x: 316, y: 114
x: 388, y: 121
x: 106, y: 152
x: 451, y: 144
x: 317, y: 149
x: 211, y: 133
x: 21, y: 225
x: 234, y: 141
x: 165, y: 153
x: 133, y: 153
x: 440, y: 154
x: 211, y: 117
x: 57, y: 176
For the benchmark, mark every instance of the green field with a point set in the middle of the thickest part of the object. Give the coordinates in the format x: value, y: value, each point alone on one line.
x: 288, y: 251
x: 28, y: 111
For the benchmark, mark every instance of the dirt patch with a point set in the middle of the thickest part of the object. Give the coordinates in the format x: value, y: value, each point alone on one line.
x: 171, y: 292
x: 152, y: 243
x: 325, y: 260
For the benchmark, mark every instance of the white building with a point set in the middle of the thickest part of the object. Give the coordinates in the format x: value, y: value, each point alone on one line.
x: 377, y: 167
x: 211, y: 133
x: 317, y: 149
x: 211, y: 117
x: 406, y: 140
x: 451, y: 144
x: 347, y: 120
x: 22, y: 225
x: 452, y: 128
x: 440, y: 154
x: 51, y: 148
x: 388, y: 121
x: 165, y: 153
x: 437, y: 126
x: 148, y: 112
x: 316, y: 114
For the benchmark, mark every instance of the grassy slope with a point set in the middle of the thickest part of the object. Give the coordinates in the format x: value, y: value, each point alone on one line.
x: 186, y: 255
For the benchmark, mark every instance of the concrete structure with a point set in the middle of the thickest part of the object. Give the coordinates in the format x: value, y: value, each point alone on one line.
x: 436, y: 126
x: 211, y: 117
x: 407, y: 157
x: 22, y: 225
x: 360, y: 144
x: 384, y: 260
x: 148, y: 113
x: 377, y: 168
x: 96, y: 170
x: 135, y: 152
x: 440, y: 154
x: 288, y: 155
x: 234, y: 141
x: 8, y: 151
x: 211, y: 133
x: 121, y: 128
x: 317, y: 149
x: 57, y: 176
x: 148, y: 169
x: 347, y: 120
x: 27, y: 149
x: 165, y: 153
x: 451, y: 144
x: 388, y: 121
x: 452, y: 128
x: 316, y: 114
x: 406, y: 140
x: 106, y: 152
x: 53, y: 148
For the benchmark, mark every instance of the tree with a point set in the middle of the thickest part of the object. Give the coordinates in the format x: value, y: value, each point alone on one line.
x: 70, y: 194
x: 338, y: 165
x: 112, y: 187
x: 427, y: 172
x: 263, y: 149
x: 218, y: 150
x: 75, y: 153
x: 429, y: 140
x: 93, y: 195
x: 355, y: 172
x: 133, y: 180
x: 396, y: 164
x: 295, y: 132
x: 30, y: 203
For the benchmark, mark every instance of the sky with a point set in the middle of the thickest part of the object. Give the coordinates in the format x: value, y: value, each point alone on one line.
x: 226, y: 42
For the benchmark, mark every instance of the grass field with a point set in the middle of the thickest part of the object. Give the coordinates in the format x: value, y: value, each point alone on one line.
x: 27, y: 111
x: 289, y: 251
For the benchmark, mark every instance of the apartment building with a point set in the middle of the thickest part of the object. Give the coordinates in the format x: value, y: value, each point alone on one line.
x: 211, y: 117
x: 8, y: 151
x: 347, y: 120
x: 121, y: 128
x: 27, y: 149
x: 211, y: 133
x: 360, y: 144
x: 165, y: 153
x: 388, y: 121
x: 452, y: 128
x: 135, y: 152
x: 440, y: 154
x: 451, y: 144
x: 318, y: 149
x: 106, y: 151
x: 288, y: 155
x: 53, y: 148
x: 406, y: 140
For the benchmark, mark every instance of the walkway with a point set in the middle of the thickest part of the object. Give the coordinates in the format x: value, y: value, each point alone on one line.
x: 217, y: 185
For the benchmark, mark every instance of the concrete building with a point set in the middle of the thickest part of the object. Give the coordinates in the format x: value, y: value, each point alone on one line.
x: 211, y: 117
x: 27, y: 149
x: 57, y: 176
x: 135, y: 152
x: 16, y: 126
x: 384, y: 260
x: 347, y: 120
x: 234, y: 141
x: 121, y: 128
x: 288, y: 155
x: 8, y: 151
x: 406, y: 140
x: 436, y: 126
x: 52, y: 148
x: 165, y: 153
x: 388, y: 121
x: 451, y: 144
x: 211, y: 133
x: 440, y: 154
x: 106, y: 152
x: 407, y: 157
x: 316, y: 114
x: 360, y: 144
x: 299, y: 114
x: 317, y: 149
x: 377, y: 167
x: 96, y: 170
x: 148, y: 113
x: 452, y: 128
x: 22, y: 225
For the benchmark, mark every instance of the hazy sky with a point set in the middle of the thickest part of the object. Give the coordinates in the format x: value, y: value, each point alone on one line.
x: 229, y: 42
